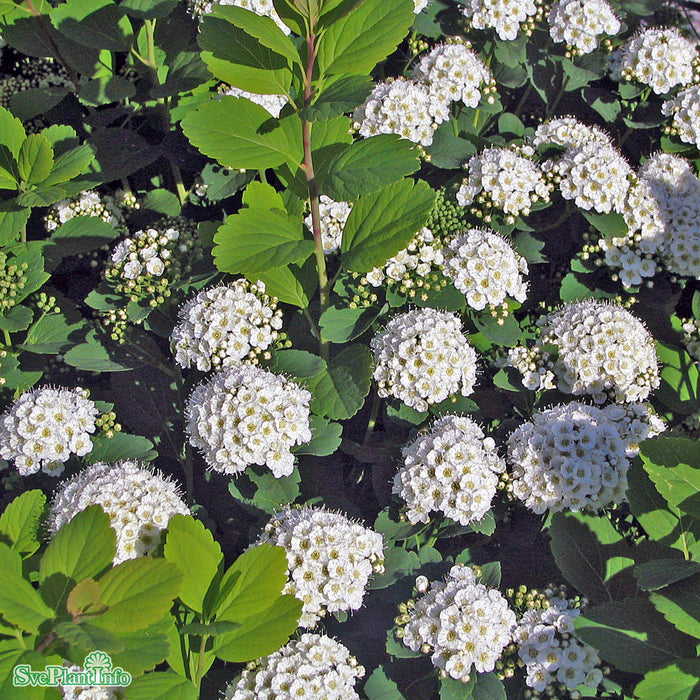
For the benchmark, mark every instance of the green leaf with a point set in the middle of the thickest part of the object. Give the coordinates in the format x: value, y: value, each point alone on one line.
x: 119, y: 153
x: 325, y: 439
x: 510, y: 124
x: 299, y: 364
x: 382, y: 223
x: 506, y: 334
x: 261, y: 28
x: 35, y: 159
x: 380, y: 687
x: 342, y: 324
x: 89, y: 637
x: 93, y: 356
x: 100, y: 24
x: 341, y: 97
x: 13, y: 220
x: 611, y: 225
x: 259, y: 490
x: 192, y: 548
x: 119, y: 447
x: 12, y: 133
x: 106, y: 89
x: 591, y: 555
x: 679, y: 603
x: 253, y: 241
x: 652, y: 575
x: 673, y: 464
x: 367, y: 166
x: 251, y: 584
x: 20, y: 604
x: 367, y: 34
x: 162, y: 685
x: 148, y: 9
x: 448, y: 150
x: 41, y: 196
x: 16, y: 319
x: 680, y: 379
x: 13, y: 656
x: 214, y: 629
x: 138, y: 592
x: 28, y: 104
x: 398, y: 563
x: 70, y: 164
x: 19, y: 522
x: 241, y: 134
x: 292, y: 284
x: 339, y: 392
x: 262, y: 634
x: 82, y: 548
x: 677, y: 681
x: 79, y: 235
x: 145, y: 649
x: 481, y: 686
x: 632, y: 635
x: 85, y: 598
x: 239, y: 59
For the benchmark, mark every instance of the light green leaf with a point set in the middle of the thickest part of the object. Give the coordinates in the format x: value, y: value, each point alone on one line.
x: 342, y: 324
x: 19, y: 522
x: 35, y: 159
x: 12, y: 133
x: 148, y: 9
x: 382, y: 223
x: 13, y: 220
x: 300, y: 364
x: 99, y: 24
x: 632, y: 635
x: 13, y: 656
x: 259, y: 490
x: 261, y: 634
x: 41, y: 196
x: 673, y: 464
x: 70, y: 164
x: 367, y: 166
x: 120, y: 446
x: 380, y: 687
x: 254, y: 241
x: 241, y: 60
x: 339, y: 392
x: 88, y: 637
x: 83, y: 548
x: 145, y: 649
x: 20, y: 603
x: 365, y: 36
x: 292, y: 284
x: 241, y: 134
x: 138, y: 592
x: 251, y: 584
x: 677, y: 681
x: 610, y: 225
x: 162, y: 685
x: 679, y: 603
x: 192, y: 548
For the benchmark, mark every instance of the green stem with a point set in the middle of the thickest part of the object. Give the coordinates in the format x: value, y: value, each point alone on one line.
x: 8, y: 339
x: 523, y: 99
x: 557, y: 98
x: 314, y: 195
x: 374, y: 412
x: 200, y: 662
x: 179, y: 185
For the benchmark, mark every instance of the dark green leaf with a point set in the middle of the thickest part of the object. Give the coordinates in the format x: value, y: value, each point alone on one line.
x: 16, y: 319
x: 380, y: 687
x: 325, y: 440
x: 89, y: 637
x: 106, y: 89
x: 297, y: 363
x: 341, y: 97
x: 100, y: 24
x: 119, y: 153
x: 259, y: 490
x: 342, y: 324
x: 367, y: 166
x: 13, y: 220
x: 448, y: 150
x: 119, y: 447
x: 652, y: 575
x: 28, y: 104
x: 382, y: 223
x: 148, y: 9
x: 339, y: 392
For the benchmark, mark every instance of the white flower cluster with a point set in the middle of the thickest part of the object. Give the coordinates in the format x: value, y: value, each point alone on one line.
x: 225, y: 325
x: 633, y: 254
x: 659, y: 58
x: 635, y: 422
x: 419, y: 5
x: 568, y: 457
x: 272, y: 103
x: 602, y: 351
x: 247, y: 415
x: 505, y: 179
x: 453, y: 469
x: 313, y: 666
x: 691, y: 338
x: 551, y: 651
x: 334, y: 215
x: 595, y: 175
x: 93, y: 692
x: 675, y: 185
x: 580, y: 23
x: 139, y: 503
x: 453, y: 73
x: 45, y: 426
x: 461, y: 623
x: 685, y: 109
x: 535, y: 365
x: 146, y: 252
x: 569, y: 132
x: 485, y: 268
x: 266, y: 8
x: 504, y: 16
x: 330, y: 558
x: 414, y: 263
x: 88, y: 203
x: 402, y: 107
x: 422, y: 357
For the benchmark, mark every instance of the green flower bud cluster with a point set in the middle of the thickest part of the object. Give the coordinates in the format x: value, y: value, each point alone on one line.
x: 107, y: 423
x: 47, y: 304
x: 446, y: 218
x: 13, y: 279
